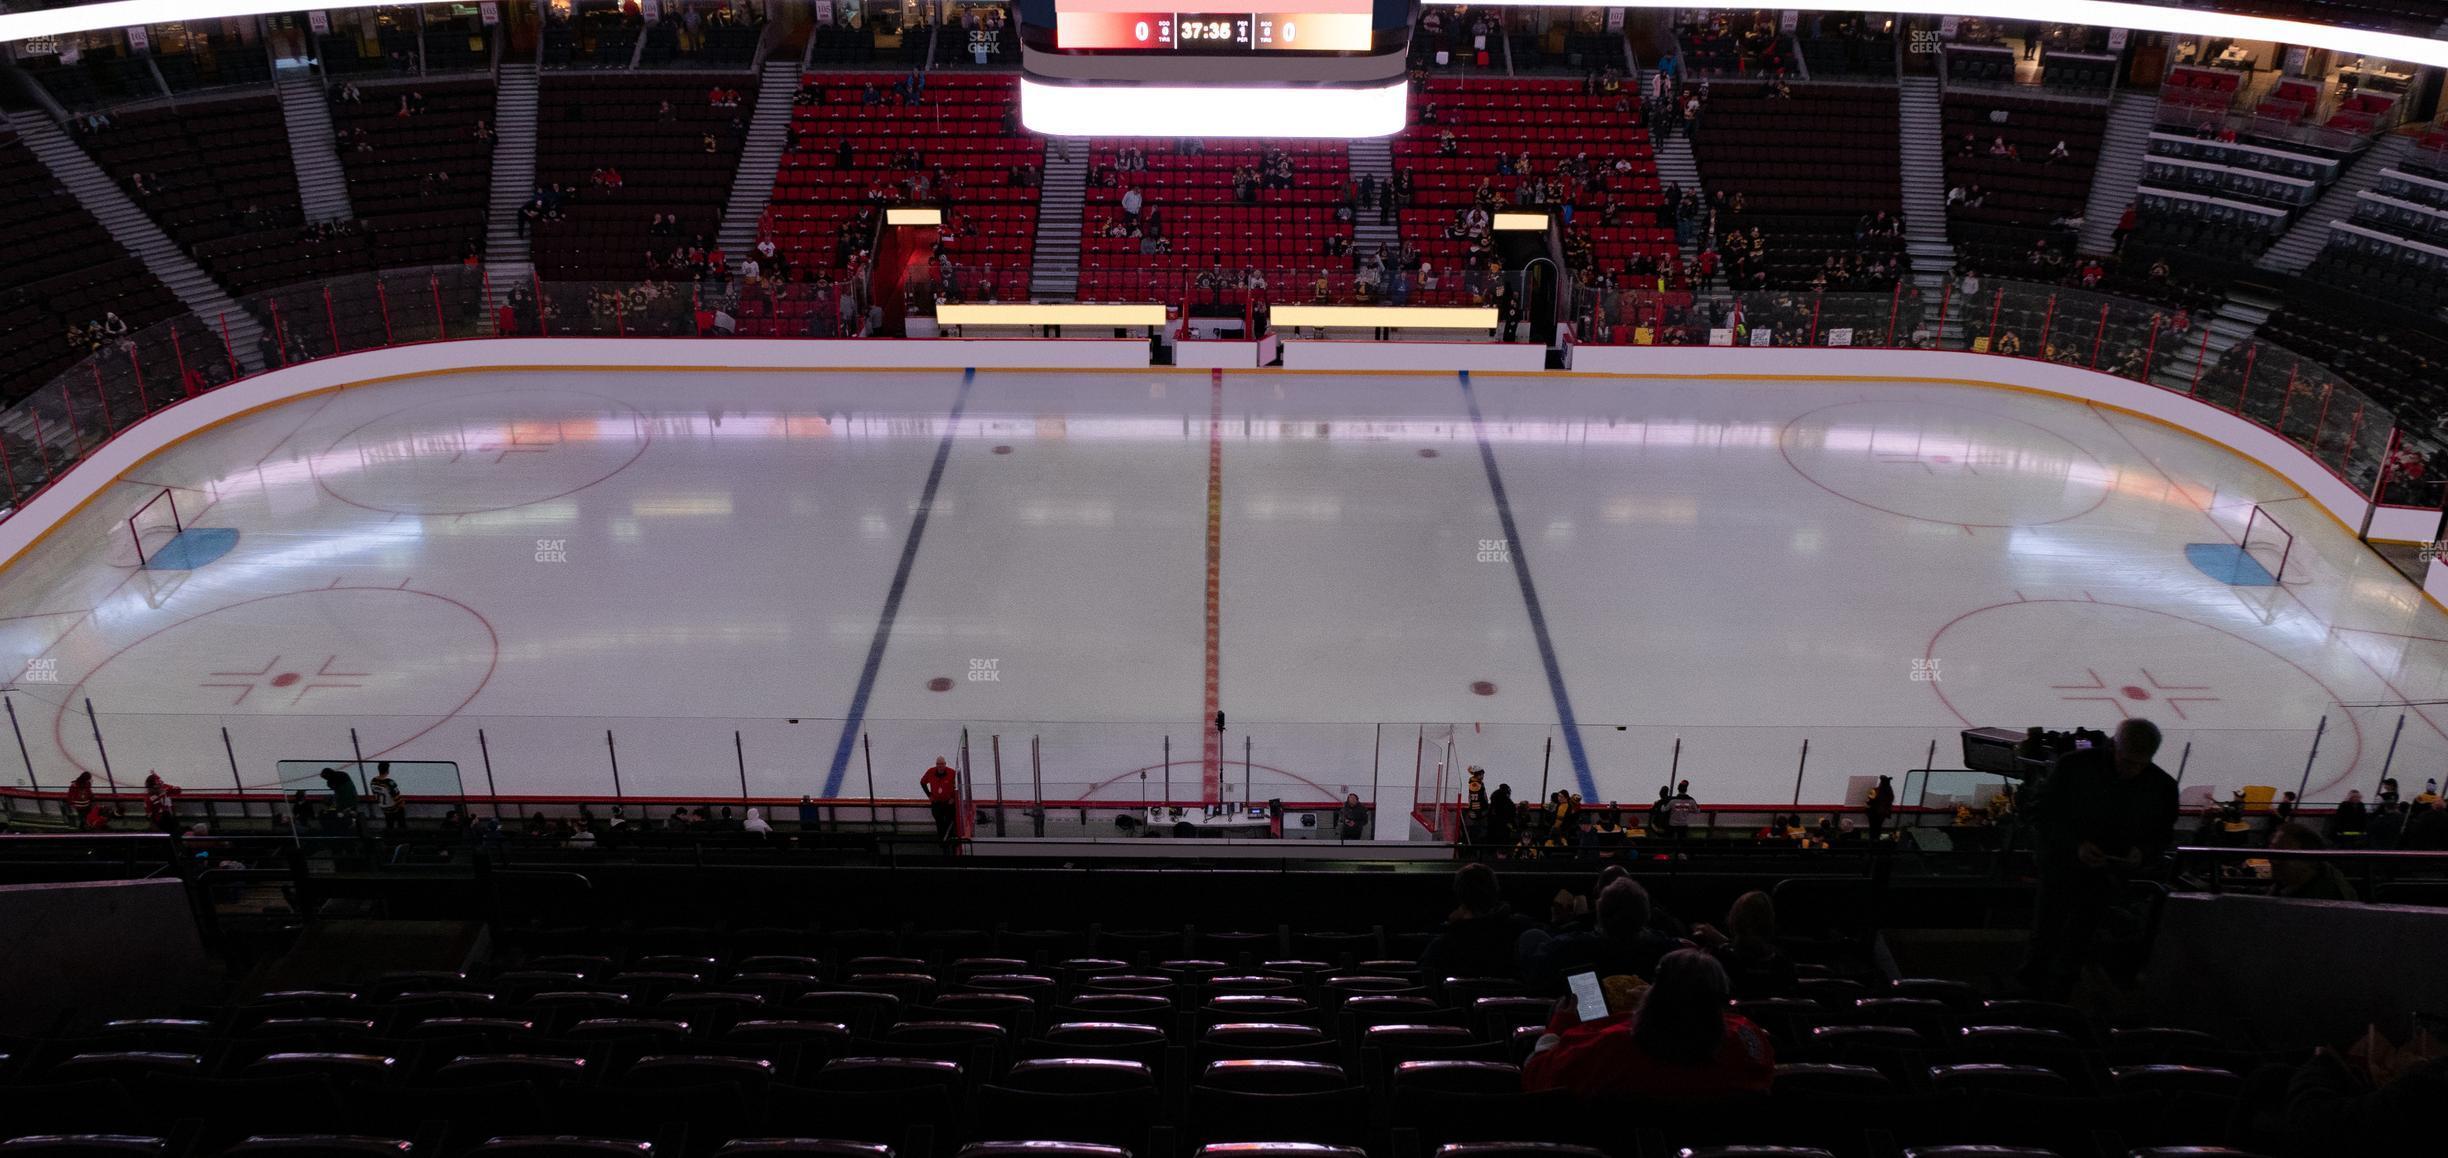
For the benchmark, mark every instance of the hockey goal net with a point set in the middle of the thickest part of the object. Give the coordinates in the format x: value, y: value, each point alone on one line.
x: 2267, y: 542
x: 148, y: 529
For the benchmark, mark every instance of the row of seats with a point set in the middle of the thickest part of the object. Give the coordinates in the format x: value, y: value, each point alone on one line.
x: 2031, y: 189
x: 1552, y: 121
x: 1203, y: 220
x: 1796, y: 161
x: 587, y: 123
x: 962, y: 134
x: 220, y: 172
x: 395, y: 185
x: 64, y: 270
x: 208, y: 164
x: 2333, y: 324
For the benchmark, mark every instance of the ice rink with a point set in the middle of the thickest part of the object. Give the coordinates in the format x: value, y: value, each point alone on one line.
x: 767, y: 583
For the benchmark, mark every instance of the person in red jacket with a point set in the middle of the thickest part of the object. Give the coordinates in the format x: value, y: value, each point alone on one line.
x: 1678, y: 1042
x: 942, y: 786
x: 80, y: 802
x: 159, y: 812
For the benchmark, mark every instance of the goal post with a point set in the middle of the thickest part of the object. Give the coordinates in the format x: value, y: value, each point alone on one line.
x: 2268, y: 542
x: 153, y: 524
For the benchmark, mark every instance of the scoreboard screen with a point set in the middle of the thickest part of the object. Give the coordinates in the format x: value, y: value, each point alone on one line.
x: 1334, y: 26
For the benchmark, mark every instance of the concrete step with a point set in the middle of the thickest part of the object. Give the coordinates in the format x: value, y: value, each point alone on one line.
x: 322, y: 182
x: 134, y: 230
x: 2309, y: 234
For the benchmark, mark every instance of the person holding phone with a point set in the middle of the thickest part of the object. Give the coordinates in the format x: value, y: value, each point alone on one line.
x: 1671, y: 1038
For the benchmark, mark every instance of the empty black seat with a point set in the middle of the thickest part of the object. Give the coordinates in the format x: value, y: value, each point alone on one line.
x: 1977, y: 1152
x: 2064, y: 1019
x: 1127, y: 983
x: 1077, y: 1075
x: 126, y: 1065
x: 801, y: 1148
x: 1014, y: 982
x: 1252, y: 1007
x: 784, y: 963
x: 1278, y: 1150
x: 332, y: 1064
x: 654, y: 1029
x: 863, y: 1012
x: 1369, y: 1009
x: 1041, y: 1149
x: 497, y: 1028
x: 1828, y: 1079
x: 1273, y: 1076
x: 563, y: 1146
x: 156, y: 1032
x: 1517, y: 1150
x: 1934, y: 1020
x: 1497, y: 1017
x: 2005, y: 1079
x: 1230, y: 1035
x: 1436, y: 1078
x: 1104, y: 1033
x: 968, y: 1033
x: 829, y: 1036
x: 1957, y: 995
x: 712, y: 1005
x: 488, y: 1069
x: 679, y: 1071
x: 84, y: 1146
x: 320, y: 1146
x: 2173, y: 1080
x: 1757, y: 1152
x: 888, y: 1073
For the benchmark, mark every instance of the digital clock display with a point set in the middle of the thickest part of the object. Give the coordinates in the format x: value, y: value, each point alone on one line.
x: 1310, y: 26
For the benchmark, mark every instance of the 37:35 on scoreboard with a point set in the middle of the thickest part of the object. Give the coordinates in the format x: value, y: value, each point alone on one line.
x: 1327, y: 26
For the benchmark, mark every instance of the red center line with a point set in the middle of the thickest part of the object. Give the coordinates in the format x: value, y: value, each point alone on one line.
x: 1211, y: 760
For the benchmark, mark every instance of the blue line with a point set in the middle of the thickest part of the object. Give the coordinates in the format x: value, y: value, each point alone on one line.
x: 900, y: 586
x: 1530, y: 600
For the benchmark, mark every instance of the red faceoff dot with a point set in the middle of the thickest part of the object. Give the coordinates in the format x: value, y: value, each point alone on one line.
x: 1428, y: 452
x: 285, y: 679
x: 1002, y: 450
x: 2133, y: 692
x: 940, y: 684
x: 1483, y: 688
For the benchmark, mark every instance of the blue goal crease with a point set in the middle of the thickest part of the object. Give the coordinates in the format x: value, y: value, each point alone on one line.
x: 2230, y: 564
x: 1530, y: 600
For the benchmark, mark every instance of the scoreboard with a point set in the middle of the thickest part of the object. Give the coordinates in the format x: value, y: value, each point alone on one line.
x: 1292, y: 68
x: 1128, y: 26
x: 1313, y: 27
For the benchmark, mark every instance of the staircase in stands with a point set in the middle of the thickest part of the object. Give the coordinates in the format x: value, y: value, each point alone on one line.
x: 2232, y: 322
x: 2310, y: 234
x: 1923, y: 139
x: 760, y: 159
x: 1062, y: 200
x: 1373, y: 156
x: 138, y: 234
x: 1680, y: 167
x: 322, y: 183
x: 2118, y: 174
x: 514, y: 177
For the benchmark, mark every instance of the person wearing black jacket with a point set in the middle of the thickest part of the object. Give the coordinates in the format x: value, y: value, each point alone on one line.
x: 2101, y: 812
x: 1480, y: 936
x: 1621, y: 941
